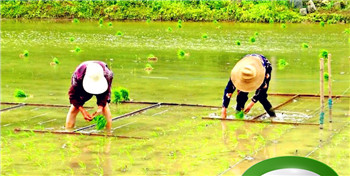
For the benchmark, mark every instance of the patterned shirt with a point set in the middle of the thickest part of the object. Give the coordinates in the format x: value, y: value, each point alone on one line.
x: 78, y: 96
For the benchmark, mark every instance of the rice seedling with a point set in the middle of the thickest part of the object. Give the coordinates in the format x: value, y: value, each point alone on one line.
x: 20, y: 93
x: 323, y: 54
x: 110, y: 24
x: 76, y: 20
x: 181, y: 53
x: 100, y: 21
x: 256, y: 33
x: 179, y: 21
x: 25, y: 53
x: 215, y: 21
x: 77, y: 49
x: 82, y: 165
x: 179, y: 25
x: 218, y: 27
x: 152, y: 58
x: 252, y: 39
x: 322, y: 23
x: 305, y: 45
x: 271, y: 21
x: 204, y: 35
x: 239, y: 115
x: 283, y: 26
x: 282, y: 64
x: 148, y: 67
x: 100, y: 122
x: 119, y: 33
x: 238, y: 42
x: 170, y: 29
x: 101, y: 25
x: 326, y: 76
x: 148, y: 20
x: 124, y: 93
x: 116, y: 96
x: 71, y: 39
x: 55, y: 60
x: 347, y: 31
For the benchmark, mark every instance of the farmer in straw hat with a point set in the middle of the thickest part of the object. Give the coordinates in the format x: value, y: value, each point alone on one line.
x: 90, y: 78
x: 252, y: 73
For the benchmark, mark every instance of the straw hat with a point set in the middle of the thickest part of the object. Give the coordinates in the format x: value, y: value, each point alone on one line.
x: 94, y: 81
x: 248, y: 74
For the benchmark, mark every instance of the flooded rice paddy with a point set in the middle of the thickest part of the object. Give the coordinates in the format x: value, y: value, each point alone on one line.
x: 176, y: 140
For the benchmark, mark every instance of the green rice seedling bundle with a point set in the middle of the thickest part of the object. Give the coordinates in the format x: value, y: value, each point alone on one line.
x: 170, y: 29
x: 252, y: 39
x: 179, y: 21
x: 124, y: 93
x: 326, y: 76
x: 119, y: 33
x: 20, y: 93
x: 283, y: 26
x: 181, y: 53
x: 238, y: 42
x: 323, y: 54
x: 77, y: 49
x: 25, y: 53
x: 110, y: 24
x: 305, y: 45
x: 239, y: 115
x: 179, y: 25
x: 71, y: 39
x: 148, y: 67
x: 55, y: 60
x: 256, y: 33
x: 100, y: 122
x: 152, y: 58
x: 100, y: 21
x: 148, y: 20
x: 76, y: 20
x: 322, y: 23
x: 282, y: 64
x: 116, y: 96
x: 347, y: 31
x: 204, y: 35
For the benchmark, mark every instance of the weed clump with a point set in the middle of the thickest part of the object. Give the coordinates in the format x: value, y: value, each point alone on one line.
x: 170, y: 29
x: 326, y: 76
x: 322, y: 23
x: 100, y: 122
x: 71, y: 39
x: 252, y: 39
x: 282, y: 64
x: 204, y: 35
x: 181, y: 53
x: 119, y: 33
x: 238, y: 42
x: 20, y: 93
x: 283, y: 26
x: 76, y: 20
x: 305, y: 45
x: 323, y: 54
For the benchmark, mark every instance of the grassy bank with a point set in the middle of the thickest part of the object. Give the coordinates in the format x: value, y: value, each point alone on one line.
x: 226, y: 10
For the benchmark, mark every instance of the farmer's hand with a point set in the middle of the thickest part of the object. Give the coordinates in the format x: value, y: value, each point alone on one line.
x: 86, y: 115
x: 223, y: 113
x: 98, y: 111
x: 250, y: 105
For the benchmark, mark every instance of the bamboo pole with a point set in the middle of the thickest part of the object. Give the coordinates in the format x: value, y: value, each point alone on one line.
x: 259, y: 121
x: 321, y: 92
x: 330, y: 102
x: 12, y: 107
x: 76, y: 133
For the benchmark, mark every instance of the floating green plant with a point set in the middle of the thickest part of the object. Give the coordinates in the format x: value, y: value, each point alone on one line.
x: 305, y: 45
x: 77, y: 49
x: 119, y: 33
x: 238, y: 42
x: 100, y: 122
x: 55, y: 60
x: 71, y: 39
x: 239, y: 115
x: 76, y: 20
x: 124, y: 93
x: 252, y: 39
x: 323, y: 54
x: 20, y: 93
x: 282, y: 64
x: 204, y: 35
x: 322, y: 23
x: 181, y: 53
x: 148, y: 20
x: 179, y: 25
x: 100, y: 21
x: 116, y: 96
x: 170, y: 29
x: 25, y: 53
x: 110, y: 24
x: 283, y: 26
x: 256, y: 33
x: 347, y: 31
x: 326, y: 76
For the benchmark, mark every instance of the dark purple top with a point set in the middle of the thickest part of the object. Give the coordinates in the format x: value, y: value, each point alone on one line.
x: 78, y: 96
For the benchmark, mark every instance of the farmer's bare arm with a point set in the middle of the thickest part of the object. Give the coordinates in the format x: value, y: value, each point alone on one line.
x: 250, y: 105
x: 86, y: 115
x: 98, y: 111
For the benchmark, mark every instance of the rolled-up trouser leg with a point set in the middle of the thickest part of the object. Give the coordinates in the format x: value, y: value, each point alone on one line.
x: 241, y: 99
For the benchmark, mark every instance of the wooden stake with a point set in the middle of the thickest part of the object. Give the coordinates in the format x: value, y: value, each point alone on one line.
x: 330, y: 102
x: 321, y: 92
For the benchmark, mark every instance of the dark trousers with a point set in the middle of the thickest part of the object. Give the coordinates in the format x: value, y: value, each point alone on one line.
x: 242, y: 98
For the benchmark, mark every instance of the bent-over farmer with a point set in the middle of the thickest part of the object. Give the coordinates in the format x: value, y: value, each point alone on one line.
x: 90, y: 78
x: 251, y: 73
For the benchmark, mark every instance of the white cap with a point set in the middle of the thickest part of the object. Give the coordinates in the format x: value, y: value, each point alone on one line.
x: 94, y: 81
